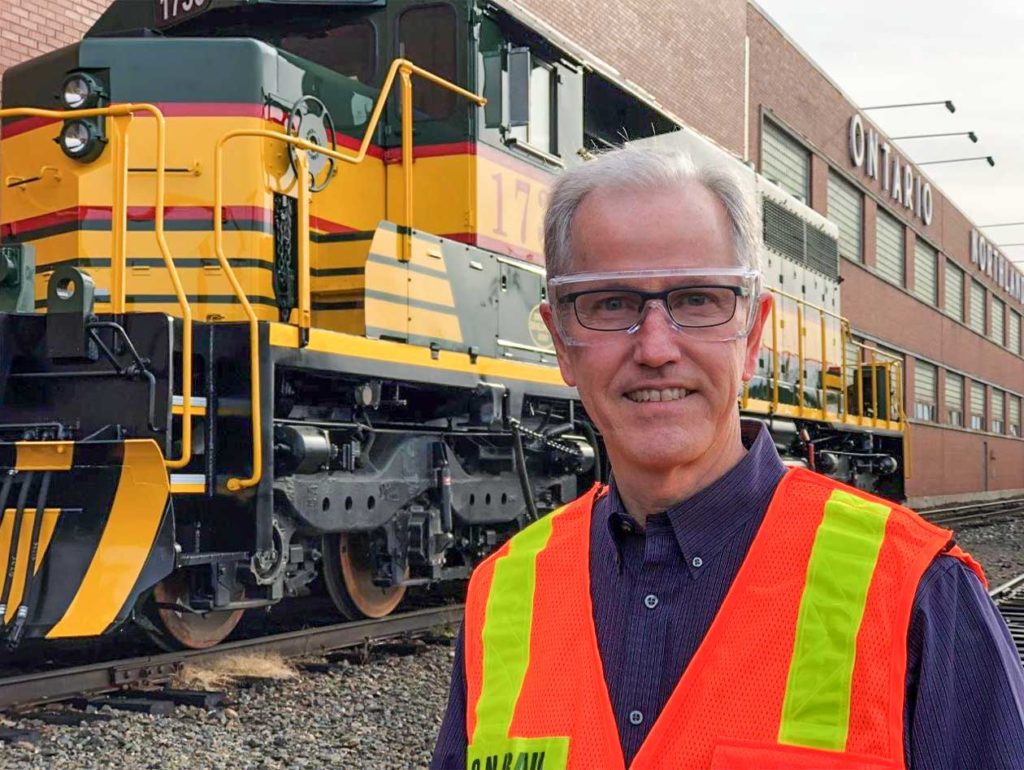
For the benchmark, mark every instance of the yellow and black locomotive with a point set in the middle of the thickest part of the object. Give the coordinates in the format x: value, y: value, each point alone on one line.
x: 269, y: 283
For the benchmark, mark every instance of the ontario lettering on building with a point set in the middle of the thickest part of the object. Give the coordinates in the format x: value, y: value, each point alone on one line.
x: 898, y: 179
x: 996, y: 266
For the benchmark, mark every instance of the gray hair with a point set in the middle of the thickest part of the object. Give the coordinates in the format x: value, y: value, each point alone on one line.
x: 634, y: 167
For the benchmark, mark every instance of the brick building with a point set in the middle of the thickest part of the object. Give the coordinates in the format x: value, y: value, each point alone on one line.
x: 913, y: 284
x: 29, y: 28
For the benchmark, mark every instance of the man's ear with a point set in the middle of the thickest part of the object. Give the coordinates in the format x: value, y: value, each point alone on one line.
x: 564, y: 359
x: 765, y: 303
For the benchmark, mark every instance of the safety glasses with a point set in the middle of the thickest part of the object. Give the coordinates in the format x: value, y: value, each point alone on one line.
x: 713, y: 305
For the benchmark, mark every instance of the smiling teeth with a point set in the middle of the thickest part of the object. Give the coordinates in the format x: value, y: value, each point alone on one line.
x: 668, y: 394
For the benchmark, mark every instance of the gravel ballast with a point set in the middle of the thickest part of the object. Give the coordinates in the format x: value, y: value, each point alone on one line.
x: 384, y: 713
x: 999, y: 547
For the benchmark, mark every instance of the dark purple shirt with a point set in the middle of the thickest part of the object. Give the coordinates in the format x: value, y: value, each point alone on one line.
x: 655, y: 591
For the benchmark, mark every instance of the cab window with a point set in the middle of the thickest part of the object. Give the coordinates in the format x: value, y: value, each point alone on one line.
x: 537, y: 126
x: 426, y: 37
x: 350, y: 50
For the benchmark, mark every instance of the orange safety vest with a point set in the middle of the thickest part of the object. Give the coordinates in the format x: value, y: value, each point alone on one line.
x: 803, y: 666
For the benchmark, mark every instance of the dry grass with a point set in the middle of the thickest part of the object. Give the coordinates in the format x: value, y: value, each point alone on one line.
x: 229, y: 669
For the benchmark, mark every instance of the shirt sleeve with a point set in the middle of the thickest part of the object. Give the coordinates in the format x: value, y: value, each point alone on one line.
x: 450, y: 749
x: 965, y: 684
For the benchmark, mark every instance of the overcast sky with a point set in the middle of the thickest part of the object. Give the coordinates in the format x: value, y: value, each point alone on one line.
x: 924, y: 50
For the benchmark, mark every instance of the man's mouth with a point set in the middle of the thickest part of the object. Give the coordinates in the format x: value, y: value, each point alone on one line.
x: 644, y: 395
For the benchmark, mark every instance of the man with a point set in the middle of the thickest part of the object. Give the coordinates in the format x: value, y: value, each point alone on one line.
x: 709, y: 609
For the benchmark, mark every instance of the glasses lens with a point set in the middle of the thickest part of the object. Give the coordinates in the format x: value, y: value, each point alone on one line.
x: 702, y: 306
x: 608, y: 310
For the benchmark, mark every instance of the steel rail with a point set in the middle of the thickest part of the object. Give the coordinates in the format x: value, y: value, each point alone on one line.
x: 1009, y: 599
x: 107, y: 676
x: 974, y: 513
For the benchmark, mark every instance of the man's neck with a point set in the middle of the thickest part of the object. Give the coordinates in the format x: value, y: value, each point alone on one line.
x: 646, y: 491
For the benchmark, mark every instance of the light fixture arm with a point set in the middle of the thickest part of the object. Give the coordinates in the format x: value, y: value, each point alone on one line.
x: 947, y: 102
x: 987, y: 158
x: 969, y: 134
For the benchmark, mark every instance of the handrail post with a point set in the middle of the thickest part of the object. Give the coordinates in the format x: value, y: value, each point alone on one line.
x: 405, y: 72
x: 888, y: 390
x: 305, y: 314
x: 800, y: 357
x: 119, y: 217
x: 776, y: 364
x: 874, y: 389
x: 859, y: 369
x: 179, y: 289
x: 844, y: 399
x: 824, y: 364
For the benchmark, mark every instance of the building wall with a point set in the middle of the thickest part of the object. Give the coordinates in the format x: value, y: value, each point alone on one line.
x: 29, y: 28
x: 788, y: 88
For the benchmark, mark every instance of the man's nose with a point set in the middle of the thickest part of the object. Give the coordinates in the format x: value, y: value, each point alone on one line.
x: 657, y: 339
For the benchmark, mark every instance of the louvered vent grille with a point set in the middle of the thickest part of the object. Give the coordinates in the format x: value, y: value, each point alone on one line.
x: 789, y: 235
x: 822, y: 253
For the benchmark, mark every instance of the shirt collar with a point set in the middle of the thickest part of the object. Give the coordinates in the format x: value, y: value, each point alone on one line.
x: 743, y: 493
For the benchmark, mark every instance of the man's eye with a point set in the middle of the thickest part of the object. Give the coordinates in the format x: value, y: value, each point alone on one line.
x: 613, y: 303
x: 694, y: 299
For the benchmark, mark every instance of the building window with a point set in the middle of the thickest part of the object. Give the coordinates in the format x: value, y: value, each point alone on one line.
x: 954, y: 304
x: 426, y: 36
x: 890, y: 248
x: 977, y: 406
x: 997, y: 406
x: 924, y: 391
x: 785, y: 161
x: 925, y: 285
x: 1013, y: 333
x: 954, y: 399
x: 846, y: 209
x: 977, y: 319
x: 998, y: 321
x: 1015, y: 416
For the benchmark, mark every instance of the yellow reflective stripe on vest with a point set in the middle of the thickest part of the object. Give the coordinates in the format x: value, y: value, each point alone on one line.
x: 508, y: 620
x: 816, y: 707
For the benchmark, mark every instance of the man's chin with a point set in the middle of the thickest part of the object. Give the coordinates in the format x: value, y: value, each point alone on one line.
x: 658, y: 455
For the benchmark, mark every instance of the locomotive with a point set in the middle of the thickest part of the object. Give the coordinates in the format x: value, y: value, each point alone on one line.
x: 270, y: 273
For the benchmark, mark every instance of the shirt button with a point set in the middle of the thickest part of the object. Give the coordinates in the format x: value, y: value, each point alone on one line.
x: 635, y: 717
x: 650, y: 601
x: 697, y: 562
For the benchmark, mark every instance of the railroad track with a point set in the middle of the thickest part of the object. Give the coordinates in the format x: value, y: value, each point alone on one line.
x: 975, y: 513
x: 1009, y: 598
x: 152, y: 670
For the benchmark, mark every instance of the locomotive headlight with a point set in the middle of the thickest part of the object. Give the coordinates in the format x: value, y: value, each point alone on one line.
x: 80, y: 91
x: 81, y: 140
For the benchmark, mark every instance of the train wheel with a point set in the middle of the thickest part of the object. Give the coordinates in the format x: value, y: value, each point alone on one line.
x: 348, y: 574
x: 178, y: 630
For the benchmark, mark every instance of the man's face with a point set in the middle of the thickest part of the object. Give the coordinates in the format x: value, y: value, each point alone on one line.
x: 696, y: 381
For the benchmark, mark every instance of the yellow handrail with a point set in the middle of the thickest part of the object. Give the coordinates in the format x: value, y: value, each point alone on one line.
x: 401, y: 67
x: 892, y: 364
x: 119, y: 226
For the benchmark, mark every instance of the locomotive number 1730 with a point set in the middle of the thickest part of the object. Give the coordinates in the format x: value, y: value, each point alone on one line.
x: 173, y: 11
